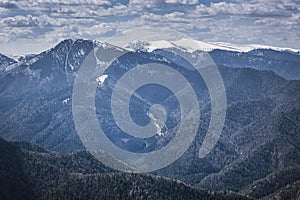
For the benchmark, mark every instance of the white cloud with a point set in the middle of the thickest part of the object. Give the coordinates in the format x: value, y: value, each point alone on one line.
x: 8, y: 4
x: 70, y: 2
x: 3, y: 10
x: 255, y: 21
x: 153, y: 3
x: 188, y: 2
x: 20, y: 21
x: 252, y: 7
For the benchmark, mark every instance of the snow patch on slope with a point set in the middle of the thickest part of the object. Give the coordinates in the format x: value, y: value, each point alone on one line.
x: 101, y: 79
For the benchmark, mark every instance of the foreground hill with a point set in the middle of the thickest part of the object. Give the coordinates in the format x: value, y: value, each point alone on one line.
x: 29, y: 172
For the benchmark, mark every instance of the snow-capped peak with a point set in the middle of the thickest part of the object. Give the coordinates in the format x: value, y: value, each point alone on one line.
x: 250, y: 47
x: 193, y: 45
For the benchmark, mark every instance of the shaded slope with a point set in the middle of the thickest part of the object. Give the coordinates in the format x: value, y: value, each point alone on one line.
x: 273, y: 183
x: 27, y: 174
x: 269, y: 163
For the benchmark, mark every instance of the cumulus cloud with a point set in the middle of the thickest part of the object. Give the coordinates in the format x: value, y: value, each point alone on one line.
x: 8, y: 4
x: 254, y: 21
x: 70, y: 2
x: 156, y: 3
x: 32, y: 21
x: 20, y: 21
x: 3, y: 10
x: 188, y: 2
x: 291, y: 22
x: 254, y: 7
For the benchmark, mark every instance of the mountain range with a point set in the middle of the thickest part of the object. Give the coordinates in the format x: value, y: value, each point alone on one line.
x: 258, y: 153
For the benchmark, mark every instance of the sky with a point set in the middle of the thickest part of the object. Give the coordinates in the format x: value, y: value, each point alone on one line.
x: 31, y: 26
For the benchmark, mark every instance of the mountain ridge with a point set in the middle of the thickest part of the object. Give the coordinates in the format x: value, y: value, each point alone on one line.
x: 282, y: 62
x: 196, y: 45
x: 36, y: 99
